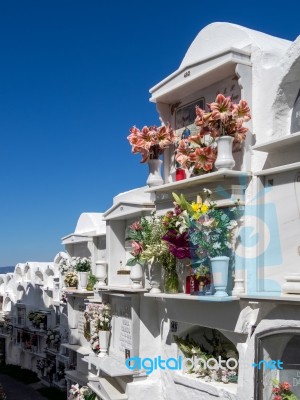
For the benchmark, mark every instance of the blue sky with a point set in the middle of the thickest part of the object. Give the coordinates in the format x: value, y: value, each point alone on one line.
x: 74, y: 77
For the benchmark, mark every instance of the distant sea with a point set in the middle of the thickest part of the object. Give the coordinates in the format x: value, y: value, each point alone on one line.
x: 5, y: 270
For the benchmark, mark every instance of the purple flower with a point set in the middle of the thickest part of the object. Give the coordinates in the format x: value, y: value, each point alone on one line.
x: 178, y: 244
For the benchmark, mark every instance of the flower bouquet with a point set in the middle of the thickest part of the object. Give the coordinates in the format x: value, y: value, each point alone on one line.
x: 81, y: 264
x: 71, y: 279
x: 151, y: 142
x: 282, y: 391
x: 224, y: 119
x: 104, y: 326
x: 52, y: 338
x: 149, y: 247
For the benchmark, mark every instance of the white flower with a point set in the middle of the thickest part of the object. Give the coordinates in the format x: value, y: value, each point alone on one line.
x: 207, y: 191
x: 227, y: 244
x: 216, y: 246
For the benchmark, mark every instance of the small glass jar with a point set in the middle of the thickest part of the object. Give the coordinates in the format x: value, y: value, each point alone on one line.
x: 171, y: 281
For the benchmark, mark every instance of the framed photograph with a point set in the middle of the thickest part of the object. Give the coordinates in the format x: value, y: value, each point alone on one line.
x: 185, y: 115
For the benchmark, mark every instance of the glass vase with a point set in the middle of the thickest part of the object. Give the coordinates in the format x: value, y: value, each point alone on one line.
x: 171, y: 281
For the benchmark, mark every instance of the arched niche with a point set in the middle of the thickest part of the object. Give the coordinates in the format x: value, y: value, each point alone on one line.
x: 201, y: 342
x: 38, y: 277
x: 7, y: 305
x: 48, y: 277
x: 27, y: 273
x: 60, y: 257
x: 18, y: 273
x: 277, y: 344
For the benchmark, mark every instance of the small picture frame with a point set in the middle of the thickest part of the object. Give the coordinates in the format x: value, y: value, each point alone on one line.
x: 186, y: 115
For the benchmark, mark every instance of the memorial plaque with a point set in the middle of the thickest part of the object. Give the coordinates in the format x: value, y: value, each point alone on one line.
x: 122, y: 326
x: 81, y: 319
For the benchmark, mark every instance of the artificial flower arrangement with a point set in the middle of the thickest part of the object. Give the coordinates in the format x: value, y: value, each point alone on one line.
x: 36, y: 318
x: 64, y: 265
x: 224, y: 118
x: 148, y: 245
x: 97, y: 317
x: 145, y: 236
x: 219, y: 347
x: 83, y: 393
x: 151, y: 141
x: 104, y: 322
x: 92, y: 315
x: 52, y: 338
x: 282, y: 391
x: 81, y: 264
x: 71, y: 279
x: 199, y: 229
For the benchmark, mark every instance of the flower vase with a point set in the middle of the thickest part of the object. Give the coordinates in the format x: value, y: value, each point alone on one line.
x: 103, y: 343
x: 155, y: 277
x: 225, y: 159
x: 136, y: 275
x: 171, y: 281
x: 154, y: 178
x: 101, y: 274
x: 219, y: 266
x: 83, y: 280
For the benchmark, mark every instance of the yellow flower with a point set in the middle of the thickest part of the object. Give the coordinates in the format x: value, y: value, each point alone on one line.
x: 204, y: 208
x: 196, y: 206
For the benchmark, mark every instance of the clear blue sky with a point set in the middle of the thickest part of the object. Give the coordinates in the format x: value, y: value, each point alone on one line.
x: 74, y: 77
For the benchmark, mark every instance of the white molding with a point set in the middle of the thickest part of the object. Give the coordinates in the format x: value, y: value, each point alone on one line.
x: 278, y: 170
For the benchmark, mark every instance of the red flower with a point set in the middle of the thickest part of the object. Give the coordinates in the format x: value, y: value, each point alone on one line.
x: 285, y: 386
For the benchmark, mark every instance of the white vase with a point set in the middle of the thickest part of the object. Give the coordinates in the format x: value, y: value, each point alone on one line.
x: 83, y: 280
x: 101, y: 274
x: 155, y: 277
x: 225, y: 159
x: 103, y: 342
x: 136, y: 275
x: 219, y: 267
x: 154, y: 178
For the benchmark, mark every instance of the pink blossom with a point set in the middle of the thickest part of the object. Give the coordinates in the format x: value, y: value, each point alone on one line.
x: 137, y: 248
x: 183, y: 153
x: 221, y: 108
x: 151, y: 141
x: 241, y: 111
x: 277, y: 397
x: 136, y: 226
x: 285, y: 386
x: 204, y: 158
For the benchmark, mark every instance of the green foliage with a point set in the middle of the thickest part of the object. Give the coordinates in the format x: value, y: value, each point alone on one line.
x: 146, y: 235
x: 91, y: 282
x: 183, y: 203
x: 83, y: 265
x: 90, y: 396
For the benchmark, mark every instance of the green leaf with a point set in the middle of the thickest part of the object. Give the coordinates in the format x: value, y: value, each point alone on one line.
x: 132, y: 261
x: 176, y: 198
